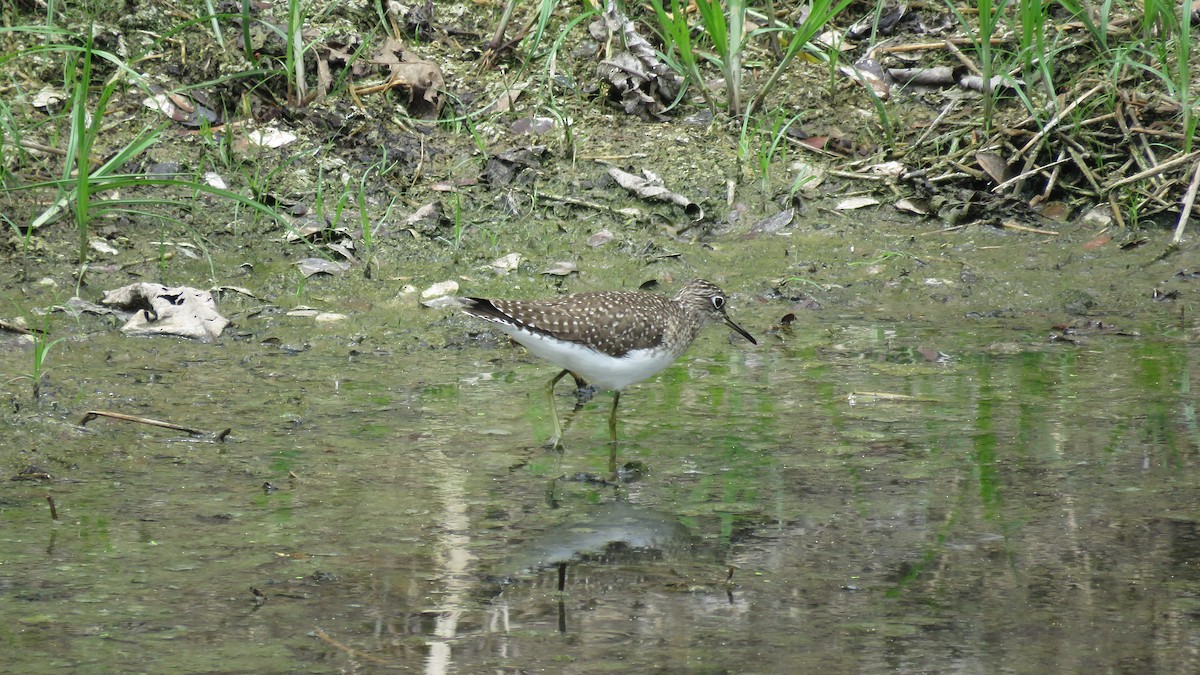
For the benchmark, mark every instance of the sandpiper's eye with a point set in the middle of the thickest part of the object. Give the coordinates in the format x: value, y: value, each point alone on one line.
x: 718, y: 302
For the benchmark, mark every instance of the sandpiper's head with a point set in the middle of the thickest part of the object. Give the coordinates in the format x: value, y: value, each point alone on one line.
x: 707, y: 300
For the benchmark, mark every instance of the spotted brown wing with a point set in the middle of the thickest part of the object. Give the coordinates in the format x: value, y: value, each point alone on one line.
x: 613, y: 322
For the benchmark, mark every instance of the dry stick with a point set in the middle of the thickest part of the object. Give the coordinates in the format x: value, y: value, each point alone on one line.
x: 936, y: 121
x: 604, y: 159
x: 1023, y: 228
x: 1152, y: 171
x: 925, y: 46
x: 1077, y: 157
x: 962, y: 58
x: 1115, y: 209
x: 1174, y: 135
x: 890, y: 396
x: 350, y: 651
x: 1058, y: 117
x: 975, y: 173
x: 1106, y: 117
x: 573, y: 201
x: 1120, y: 120
x: 93, y: 414
x: 1188, y: 201
x: 1041, y: 135
x: 856, y: 175
x: 952, y: 228
x: 1050, y: 182
x: 1142, y: 140
x: 1114, y: 27
x: 1032, y: 171
x: 951, y: 176
x: 365, y: 90
x: 1160, y: 197
x: 493, y: 45
x: 30, y: 145
x: 95, y: 162
x: 420, y: 164
x: 14, y: 328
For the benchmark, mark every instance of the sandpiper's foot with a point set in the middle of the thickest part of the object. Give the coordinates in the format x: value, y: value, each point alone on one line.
x: 555, y: 443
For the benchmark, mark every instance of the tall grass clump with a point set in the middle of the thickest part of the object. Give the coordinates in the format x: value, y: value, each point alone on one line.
x: 987, y: 20
x: 82, y: 175
x: 42, y: 344
x: 1183, y: 76
x: 722, y: 29
x: 677, y: 39
x: 1034, y: 52
x: 90, y: 181
x: 726, y: 37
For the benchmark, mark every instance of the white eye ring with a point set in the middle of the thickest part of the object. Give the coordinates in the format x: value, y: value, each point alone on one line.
x: 718, y: 302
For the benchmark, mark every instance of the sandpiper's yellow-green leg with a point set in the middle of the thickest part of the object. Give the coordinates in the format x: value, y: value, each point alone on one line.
x: 612, y: 418
x: 612, y: 434
x: 555, y: 441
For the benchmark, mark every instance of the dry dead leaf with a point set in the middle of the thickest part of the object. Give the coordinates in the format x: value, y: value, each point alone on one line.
x: 561, y: 269
x: 915, y: 206
x: 650, y: 186
x: 48, y: 97
x: 994, y: 166
x: 102, y: 246
x: 440, y: 289
x: 600, y: 238
x: 311, y: 266
x: 270, y: 137
x: 505, y: 264
x: 214, y: 179
x: 773, y: 224
x: 856, y: 203
x: 159, y: 310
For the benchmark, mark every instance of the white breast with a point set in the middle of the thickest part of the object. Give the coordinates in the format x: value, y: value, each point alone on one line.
x: 600, y: 370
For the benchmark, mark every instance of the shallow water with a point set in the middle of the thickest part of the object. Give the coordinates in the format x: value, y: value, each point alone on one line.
x: 840, y: 497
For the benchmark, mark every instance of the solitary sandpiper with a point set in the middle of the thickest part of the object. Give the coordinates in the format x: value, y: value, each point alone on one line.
x: 609, y: 338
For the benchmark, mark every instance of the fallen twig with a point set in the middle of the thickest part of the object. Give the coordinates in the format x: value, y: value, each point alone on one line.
x: 1051, y: 181
x: 1024, y: 228
x: 93, y: 414
x: 1078, y: 158
x: 650, y: 186
x: 350, y: 651
x: 962, y: 58
x: 1034, y: 142
x: 952, y: 105
x: 628, y: 212
x: 1155, y: 170
x: 1188, y: 200
x: 872, y: 396
x: 944, y: 230
x: 925, y: 46
x: 21, y: 330
x: 1115, y: 209
x: 1037, y: 169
